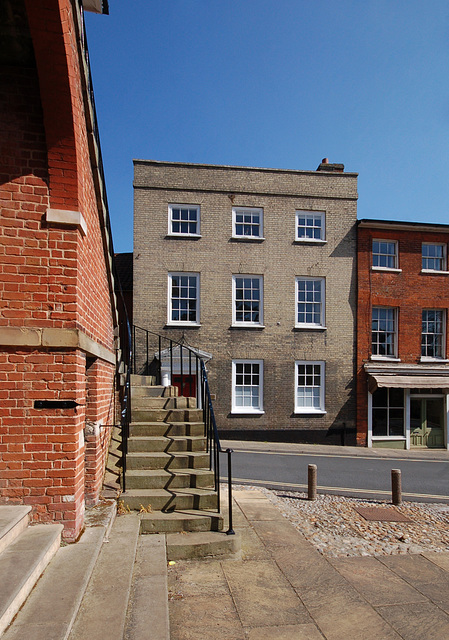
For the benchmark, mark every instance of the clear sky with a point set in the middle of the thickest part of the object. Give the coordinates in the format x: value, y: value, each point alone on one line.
x: 282, y: 84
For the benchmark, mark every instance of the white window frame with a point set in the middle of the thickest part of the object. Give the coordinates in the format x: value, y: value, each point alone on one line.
x: 426, y: 358
x: 395, y: 255
x: 322, y: 303
x: 170, y: 309
x: 237, y: 408
x: 171, y: 221
x: 244, y: 323
x: 443, y: 257
x: 394, y: 356
x: 249, y: 211
x: 311, y: 409
x: 315, y: 215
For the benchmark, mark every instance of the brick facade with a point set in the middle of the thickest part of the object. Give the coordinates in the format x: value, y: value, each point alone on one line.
x: 277, y: 260
x: 56, y: 307
x: 408, y: 289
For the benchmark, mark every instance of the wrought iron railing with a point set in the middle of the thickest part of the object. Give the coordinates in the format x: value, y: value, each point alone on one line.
x: 123, y: 370
x: 172, y: 363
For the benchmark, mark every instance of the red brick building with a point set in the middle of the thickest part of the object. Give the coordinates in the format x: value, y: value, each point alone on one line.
x: 57, y: 309
x: 402, y: 349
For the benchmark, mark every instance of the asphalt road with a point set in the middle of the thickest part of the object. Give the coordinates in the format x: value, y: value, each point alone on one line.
x: 352, y: 475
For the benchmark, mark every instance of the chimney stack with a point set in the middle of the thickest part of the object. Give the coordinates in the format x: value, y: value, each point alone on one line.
x: 330, y: 168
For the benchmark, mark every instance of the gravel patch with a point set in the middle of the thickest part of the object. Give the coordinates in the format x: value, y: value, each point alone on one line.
x: 333, y: 526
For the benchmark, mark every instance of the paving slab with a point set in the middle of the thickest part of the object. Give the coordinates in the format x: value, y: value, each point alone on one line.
x: 441, y: 559
x: 375, y: 582
x: 258, y: 509
x: 252, y: 546
x: 343, y: 620
x: 417, y: 621
x: 262, y: 595
x: 193, y: 579
x: 205, y: 618
x: 280, y: 534
x: 284, y: 589
x: 424, y: 575
x: 286, y: 632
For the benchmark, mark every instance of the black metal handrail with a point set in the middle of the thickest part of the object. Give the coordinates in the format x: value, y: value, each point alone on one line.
x: 170, y: 362
x: 123, y: 365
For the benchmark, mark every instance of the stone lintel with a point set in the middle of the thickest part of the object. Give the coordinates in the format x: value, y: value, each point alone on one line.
x: 54, y: 339
x: 67, y: 218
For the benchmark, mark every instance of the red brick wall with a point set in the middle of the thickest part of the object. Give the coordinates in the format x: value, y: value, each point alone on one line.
x: 42, y: 462
x: 410, y: 291
x: 50, y: 277
x: 100, y: 418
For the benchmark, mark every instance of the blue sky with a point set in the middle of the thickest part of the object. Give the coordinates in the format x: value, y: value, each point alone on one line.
x: 278, y: 83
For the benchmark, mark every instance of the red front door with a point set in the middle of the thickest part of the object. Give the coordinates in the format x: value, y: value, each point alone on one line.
x: 185, y: 384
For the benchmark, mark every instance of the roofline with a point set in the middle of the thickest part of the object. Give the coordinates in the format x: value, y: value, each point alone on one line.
x: 242, y: 168
x: 96, y: 6
x: 399, y: 225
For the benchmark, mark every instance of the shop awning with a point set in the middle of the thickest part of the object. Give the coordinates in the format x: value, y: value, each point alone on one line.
x: 378, y: 380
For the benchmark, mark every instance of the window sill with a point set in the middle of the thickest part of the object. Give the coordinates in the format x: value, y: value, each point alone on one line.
x: 255, y: 412
x: 384, y: 359
x: 247, y: 238
x: 309, y: 327
x: 184, y: 236
x: 388, y: 269
x: 389, y: 438
x: 309, y: 412
x: 434, y: 272
x: 183, y: 325
x: 247, y: 326
x: 434, y: 360
x: 308, y: 241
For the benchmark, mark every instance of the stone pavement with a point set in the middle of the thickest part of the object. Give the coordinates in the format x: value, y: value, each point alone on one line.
x: 283, y: 589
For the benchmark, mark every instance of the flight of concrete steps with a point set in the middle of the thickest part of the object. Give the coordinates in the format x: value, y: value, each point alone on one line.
x: 25, y: 551
x: 112, y: 583
x: 168, y: 479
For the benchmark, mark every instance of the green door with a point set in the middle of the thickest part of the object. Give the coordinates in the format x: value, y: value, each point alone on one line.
x: 426, y: 422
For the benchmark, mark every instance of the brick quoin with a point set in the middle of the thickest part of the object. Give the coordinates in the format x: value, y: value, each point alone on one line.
x: 54, y: 277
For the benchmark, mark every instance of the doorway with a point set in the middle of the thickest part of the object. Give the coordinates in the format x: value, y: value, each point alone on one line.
x: 427, y: 422
x: 185, y: 384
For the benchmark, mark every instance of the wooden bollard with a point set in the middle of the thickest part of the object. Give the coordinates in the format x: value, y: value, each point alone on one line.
x: 396, y: 486
x: 311, y: 482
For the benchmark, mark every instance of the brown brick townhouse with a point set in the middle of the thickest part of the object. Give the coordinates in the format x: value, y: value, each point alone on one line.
x: 402, y: 350
x: 256, y: 269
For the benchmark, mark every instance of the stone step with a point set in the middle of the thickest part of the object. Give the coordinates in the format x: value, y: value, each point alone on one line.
x: 166, y: 429
x: 53, y: 604
x: 13, y: 520
x: 162, y: 460
x: 21, y: 565
x: 167, y: 444
x: 102, y: 613
x: 166, y: 415
x: 142, y: 402
x: 164, y: 500
x: 138, y: 380
x: 176, y: 479
x: 146, y: 382
x: 185, y: 546
x: 177, y: 521
x: 147, y: 615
